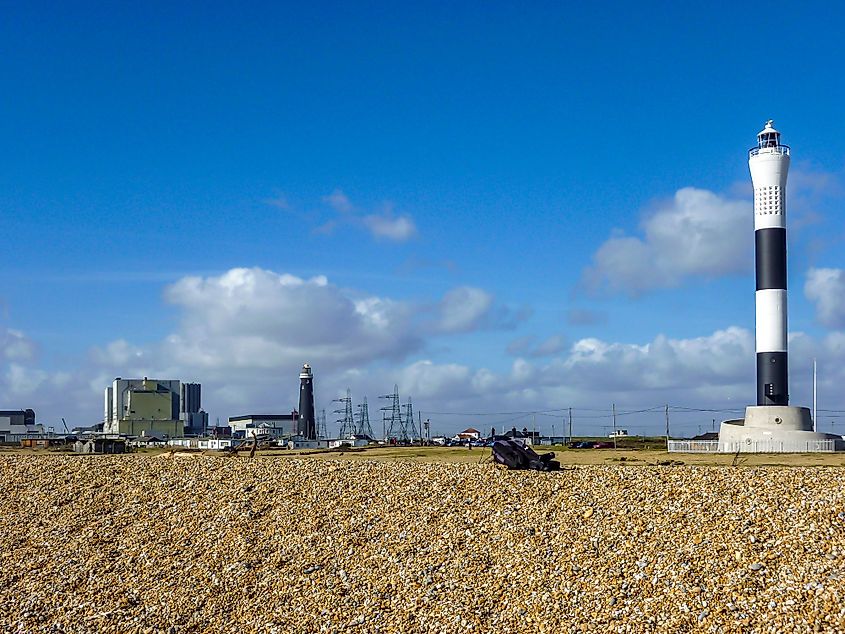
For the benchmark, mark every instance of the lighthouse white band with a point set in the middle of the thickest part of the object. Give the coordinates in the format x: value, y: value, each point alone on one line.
x: 771, y: 320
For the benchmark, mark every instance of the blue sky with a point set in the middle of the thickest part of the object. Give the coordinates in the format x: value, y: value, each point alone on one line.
x: 465, y: 169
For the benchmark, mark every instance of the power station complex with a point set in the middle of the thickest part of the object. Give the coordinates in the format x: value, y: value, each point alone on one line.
x: 772, y: 424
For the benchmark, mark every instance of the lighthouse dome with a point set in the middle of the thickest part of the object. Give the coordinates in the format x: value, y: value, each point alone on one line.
x: 768, y: 136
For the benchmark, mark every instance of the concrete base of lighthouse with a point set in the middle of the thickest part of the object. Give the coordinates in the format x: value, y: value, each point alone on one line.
x: 775, y: 429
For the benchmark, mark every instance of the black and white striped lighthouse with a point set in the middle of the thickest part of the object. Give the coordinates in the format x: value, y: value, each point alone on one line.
x: 769, y: 164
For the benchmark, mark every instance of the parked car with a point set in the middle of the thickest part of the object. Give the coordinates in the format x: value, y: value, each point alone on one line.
x: 603, y: 445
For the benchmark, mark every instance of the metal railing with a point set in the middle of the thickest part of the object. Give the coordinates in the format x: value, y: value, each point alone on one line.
x: 779, y: 446
x: 758, y: 446
x: 777, y: 149
x: 693, y: 446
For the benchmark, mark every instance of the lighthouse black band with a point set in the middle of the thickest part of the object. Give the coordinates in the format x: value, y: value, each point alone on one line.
x: 307, y: 425
x: 770, y: 250
x: 772, y: 381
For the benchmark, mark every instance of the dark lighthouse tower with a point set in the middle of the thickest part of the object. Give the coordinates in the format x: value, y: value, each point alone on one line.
x: 769, y: 165
x: 306, y: 425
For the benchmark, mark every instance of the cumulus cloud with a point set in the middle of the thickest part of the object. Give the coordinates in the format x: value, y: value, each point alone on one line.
x: 16, y: 346
x: 25, y: 385
x: 591, y: 374
x: 826, y: 289
x: 258, y: 318
x: 390, y: 227
x: 464, y: 309
x: 241, y: 331
x: 696, y: 234
x: 722, y: 358
x: 467, y: 308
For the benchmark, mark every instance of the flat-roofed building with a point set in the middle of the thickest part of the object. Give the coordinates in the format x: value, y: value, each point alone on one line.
x: 19, y: 424
x: 273, y: 425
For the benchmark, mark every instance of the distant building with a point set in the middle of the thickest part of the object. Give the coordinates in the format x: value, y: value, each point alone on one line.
x: 470, y: 433
x: 273, y: 425
x: 100, y: 445
x: 143, y: 406
x: 190, y: 409
x: 523, y: 437
x: 163, y: 407
x: 19, y: 424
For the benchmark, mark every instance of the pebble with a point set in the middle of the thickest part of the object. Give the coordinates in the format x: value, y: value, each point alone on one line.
x: 203, y: 543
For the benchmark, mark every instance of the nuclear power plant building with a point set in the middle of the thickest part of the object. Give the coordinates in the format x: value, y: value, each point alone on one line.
x: 153, y: 407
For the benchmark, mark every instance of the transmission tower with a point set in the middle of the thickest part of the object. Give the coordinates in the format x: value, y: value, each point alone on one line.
x: 392, y: 422
x: 363, y: 428
x: 322, y: 432
x: 408, y: 431
x: 347, y: 423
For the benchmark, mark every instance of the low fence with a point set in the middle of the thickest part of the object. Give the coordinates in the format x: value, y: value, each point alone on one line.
x: 752, y: 446
x: 694, y: 446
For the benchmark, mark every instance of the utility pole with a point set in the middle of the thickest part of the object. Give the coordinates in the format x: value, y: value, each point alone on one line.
x: 667, y: 427
x: 570, y: 424
x: 814, y: 394
x: 614, y: 425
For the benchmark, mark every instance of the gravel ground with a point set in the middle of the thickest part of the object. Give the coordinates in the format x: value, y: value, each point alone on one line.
x: 207, y: 544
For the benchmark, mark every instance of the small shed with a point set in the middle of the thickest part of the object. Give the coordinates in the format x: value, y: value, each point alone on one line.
x: 100, y: 445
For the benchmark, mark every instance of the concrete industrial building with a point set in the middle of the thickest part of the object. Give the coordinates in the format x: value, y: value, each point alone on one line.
x: 772, y: 425
x: 19, y: 424
x: 190, y: 409
x: 152, y: 407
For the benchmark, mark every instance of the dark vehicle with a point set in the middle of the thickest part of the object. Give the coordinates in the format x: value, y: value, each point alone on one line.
x: 603, y: 445
x: 515, y: 456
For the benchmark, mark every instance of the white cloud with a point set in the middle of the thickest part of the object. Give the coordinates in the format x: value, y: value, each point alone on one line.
x: 464, y: 308
x: 695, y: 234
x: 720, y: 359
x: 16, y: 346
x: 826, y: 289
x: 383, y: 225
x: 390, y: 227
x: 117, y: 353
x: 254, y: 318
x: 338, y: 201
